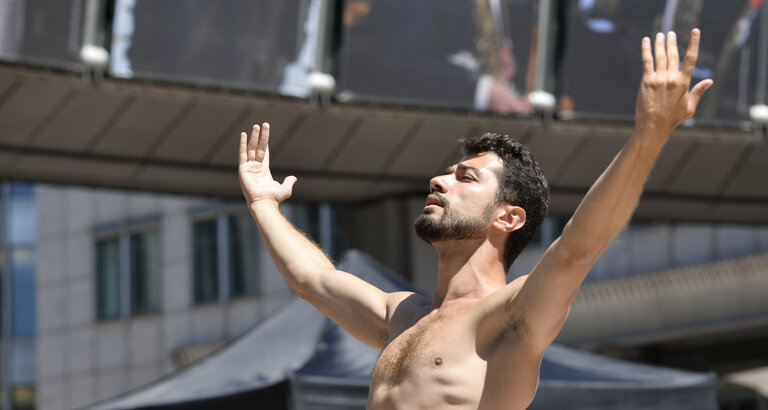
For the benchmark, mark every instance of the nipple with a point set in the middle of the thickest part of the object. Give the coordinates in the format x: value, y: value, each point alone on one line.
x: 438, y: 361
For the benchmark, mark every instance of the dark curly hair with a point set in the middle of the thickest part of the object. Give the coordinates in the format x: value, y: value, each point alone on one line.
x: 521, y: 183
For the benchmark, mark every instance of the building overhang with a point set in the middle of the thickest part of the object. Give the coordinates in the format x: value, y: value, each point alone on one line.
x: 63, y: 128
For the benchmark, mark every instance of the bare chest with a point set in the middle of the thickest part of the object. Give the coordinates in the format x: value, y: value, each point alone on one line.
x: 438, y: 348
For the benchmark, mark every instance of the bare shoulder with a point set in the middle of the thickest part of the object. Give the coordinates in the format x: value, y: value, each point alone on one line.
x: 404, y: 309
x: 496, y: 324
x: 500, y: 299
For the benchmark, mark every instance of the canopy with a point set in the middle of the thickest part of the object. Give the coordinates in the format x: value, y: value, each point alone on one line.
x: 298, y: 359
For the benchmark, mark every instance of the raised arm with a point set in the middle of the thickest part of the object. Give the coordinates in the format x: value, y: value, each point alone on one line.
x: 360, y: 308
x: 664, y: 101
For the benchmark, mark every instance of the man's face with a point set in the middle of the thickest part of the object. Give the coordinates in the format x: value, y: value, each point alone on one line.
x: 462, y: 201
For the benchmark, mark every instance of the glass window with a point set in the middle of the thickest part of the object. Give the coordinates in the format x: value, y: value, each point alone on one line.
x: 338, y: 240
x: 205, y: 261
x: 243, y: 255
x: 306, y: 218
x: 108, y: 278
x: 21, y: 219
x: 20, y: 188
x: 145, y: 292
x: 23, y: 288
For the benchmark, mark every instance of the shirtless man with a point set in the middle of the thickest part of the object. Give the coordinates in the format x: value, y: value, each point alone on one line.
x: 478, y: 343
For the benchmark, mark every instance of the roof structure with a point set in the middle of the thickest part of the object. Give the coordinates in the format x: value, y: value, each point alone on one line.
x: 182, y: 139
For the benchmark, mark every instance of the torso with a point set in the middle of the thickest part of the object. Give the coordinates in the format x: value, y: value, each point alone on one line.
x: 432, y: 361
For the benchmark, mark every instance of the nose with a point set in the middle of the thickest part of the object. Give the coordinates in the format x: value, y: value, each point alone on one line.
x: 438, y: 184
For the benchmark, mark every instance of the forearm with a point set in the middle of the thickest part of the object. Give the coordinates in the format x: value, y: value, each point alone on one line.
x: 297, y: 257
x: 663, y: 102
x: 611, y: 201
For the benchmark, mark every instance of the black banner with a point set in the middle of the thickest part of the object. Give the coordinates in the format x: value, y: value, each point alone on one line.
x: 468, y: 54
x: 41, y: 32
x: 601, y: 69
x: 239, y: 43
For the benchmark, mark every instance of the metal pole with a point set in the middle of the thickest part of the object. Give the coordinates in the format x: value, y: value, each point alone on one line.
x: 91, y: 23
x: 543, y: 45
x: 762, y: 56
x: 321, y: 41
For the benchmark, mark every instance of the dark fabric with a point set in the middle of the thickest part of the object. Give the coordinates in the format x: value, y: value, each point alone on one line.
x: 243, y: 43
x: 275, y: 397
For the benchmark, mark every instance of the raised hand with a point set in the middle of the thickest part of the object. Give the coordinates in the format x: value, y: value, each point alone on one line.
x: 664, y: 101
x: 256, y: 180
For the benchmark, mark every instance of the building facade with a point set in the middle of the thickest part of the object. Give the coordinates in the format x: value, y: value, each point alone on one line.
x: 132, y: 286
x: 18, y: 246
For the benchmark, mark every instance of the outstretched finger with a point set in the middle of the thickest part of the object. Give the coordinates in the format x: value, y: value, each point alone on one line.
x: 242, y: 154
x: 692, y: 54
x: 261, y: 147
x: 265, y: 159
x: 660, y: 54
x: 252, y: 143
x: 673, y: 56
x: 647, y: 56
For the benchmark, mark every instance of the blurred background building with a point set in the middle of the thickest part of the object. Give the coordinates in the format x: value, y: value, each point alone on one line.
x: 126, y: 252
x: 18, y: 321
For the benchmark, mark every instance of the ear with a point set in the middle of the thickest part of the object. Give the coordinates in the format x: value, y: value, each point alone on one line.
x: 509, y: 218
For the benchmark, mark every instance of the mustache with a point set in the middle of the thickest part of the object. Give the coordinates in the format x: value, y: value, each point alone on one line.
x: 440, y: 198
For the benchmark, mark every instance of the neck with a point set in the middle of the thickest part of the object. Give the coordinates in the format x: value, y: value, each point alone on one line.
x: 467, y: 270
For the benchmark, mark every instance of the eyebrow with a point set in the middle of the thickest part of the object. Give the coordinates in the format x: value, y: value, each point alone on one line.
x: 466, y: 168
x: 463, y: 167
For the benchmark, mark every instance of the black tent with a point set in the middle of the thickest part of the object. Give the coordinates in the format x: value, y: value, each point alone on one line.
x: 298, y: 359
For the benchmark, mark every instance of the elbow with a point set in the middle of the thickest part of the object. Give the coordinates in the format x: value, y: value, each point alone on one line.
x: 302, y: 292
x: 303, y: 288
x: 307, y: 284
x: 579, y: 253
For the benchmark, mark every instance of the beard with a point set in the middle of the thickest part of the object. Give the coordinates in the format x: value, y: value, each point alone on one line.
x: 450, y: 227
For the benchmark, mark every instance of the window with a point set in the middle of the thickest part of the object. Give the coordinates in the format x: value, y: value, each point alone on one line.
x: 144, y: 265
x: 225, y: 257
x: 108, y: 279
x: 205, y: 255
x: 243, y: 255
x: 18, y: 237
x: 318, y: 221
x: 21, y: 217
x: 127, y: 274
x: 23, y: 291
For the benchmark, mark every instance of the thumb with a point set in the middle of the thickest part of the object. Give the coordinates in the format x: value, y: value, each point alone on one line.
x: 698, y: 91
x: 288, y: 184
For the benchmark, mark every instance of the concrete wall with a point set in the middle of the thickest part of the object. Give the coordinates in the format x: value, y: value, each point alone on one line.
x: 82, y: 360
